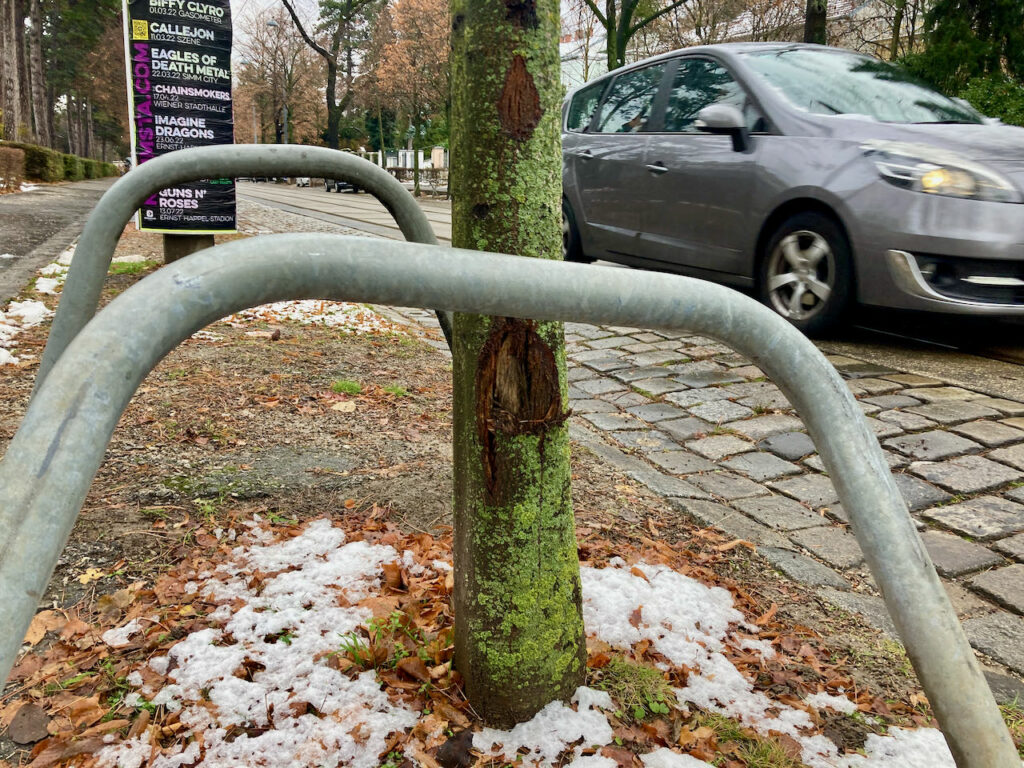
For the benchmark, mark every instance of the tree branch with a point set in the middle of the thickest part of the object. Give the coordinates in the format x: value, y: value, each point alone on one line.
x: 302, y: 31
x: 600, y: 16
x: 644, y: 22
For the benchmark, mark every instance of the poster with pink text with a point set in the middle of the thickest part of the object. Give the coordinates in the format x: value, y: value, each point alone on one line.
x: 178, y: 56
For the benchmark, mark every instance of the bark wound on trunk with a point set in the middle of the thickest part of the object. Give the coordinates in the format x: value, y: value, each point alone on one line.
x: 517, y: 394
x: 519, y: 105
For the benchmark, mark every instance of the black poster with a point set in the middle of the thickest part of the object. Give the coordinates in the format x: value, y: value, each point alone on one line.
x: 179, y: 84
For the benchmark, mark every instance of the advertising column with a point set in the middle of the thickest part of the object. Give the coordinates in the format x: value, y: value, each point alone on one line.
x: 179, y: 87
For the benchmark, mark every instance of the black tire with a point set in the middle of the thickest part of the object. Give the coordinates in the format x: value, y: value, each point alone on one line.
x: 571, y: 248
x: 806, y: 272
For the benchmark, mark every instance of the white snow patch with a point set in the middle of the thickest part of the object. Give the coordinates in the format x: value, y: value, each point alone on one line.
x: 552, y: 729
x: 47, y: 285
x: 593, y: 761
x: 7, y: 256
x: 119, y: 636
x: 902, y: 748
x: 353, y: 318
x: 666, y: 758
x: 278, y: 630
x: 28, y: 313
x: 838, y: 703
x: 132, y: 258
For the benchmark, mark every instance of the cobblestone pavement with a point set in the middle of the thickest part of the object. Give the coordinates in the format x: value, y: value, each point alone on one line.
x: 702, y: 427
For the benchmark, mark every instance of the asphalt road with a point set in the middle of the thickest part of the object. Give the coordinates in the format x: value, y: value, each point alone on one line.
x: 359, y: 211
x: 983, y: 354
x: 35, y: 227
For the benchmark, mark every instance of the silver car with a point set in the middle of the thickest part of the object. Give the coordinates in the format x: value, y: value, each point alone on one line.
x: 812, y: 176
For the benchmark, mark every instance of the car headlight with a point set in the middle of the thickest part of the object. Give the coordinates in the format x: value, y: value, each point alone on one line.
x: 937, y: 171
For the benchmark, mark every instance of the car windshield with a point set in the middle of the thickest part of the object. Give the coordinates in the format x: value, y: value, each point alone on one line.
x: 829, y: 82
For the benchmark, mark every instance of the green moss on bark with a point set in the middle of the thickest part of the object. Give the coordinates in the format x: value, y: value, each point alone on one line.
x: 519, y: 629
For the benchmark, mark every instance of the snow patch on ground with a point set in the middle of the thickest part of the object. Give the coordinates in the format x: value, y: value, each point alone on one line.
x: 552, y: 729
x: 299, y: 604
x: 346, y: 316
x: 25, y: 314
x: 666, y: 758
x: 692, y: 624
x: 279, y: 629
x: 827, y: 700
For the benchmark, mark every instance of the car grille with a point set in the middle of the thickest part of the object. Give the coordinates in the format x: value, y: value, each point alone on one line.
x: 991, y: 281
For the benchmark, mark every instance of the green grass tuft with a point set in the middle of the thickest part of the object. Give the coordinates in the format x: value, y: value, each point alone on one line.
x: 131, y: 267
x: 641, y: 692
x: 346, y: 387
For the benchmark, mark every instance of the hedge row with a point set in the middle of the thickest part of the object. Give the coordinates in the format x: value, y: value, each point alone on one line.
x: 42, y: 164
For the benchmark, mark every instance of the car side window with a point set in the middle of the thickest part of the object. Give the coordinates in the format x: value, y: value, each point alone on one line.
x: 699, y: 83
x: 628, y: 103
x: 582, y: 106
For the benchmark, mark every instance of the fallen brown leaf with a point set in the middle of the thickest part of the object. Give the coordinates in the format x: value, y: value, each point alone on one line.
x: 28, y: 725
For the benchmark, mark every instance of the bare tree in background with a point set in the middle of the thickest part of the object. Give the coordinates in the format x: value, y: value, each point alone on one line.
x: 579, y: 30
x: 342, y: 28
x: 277, y: 69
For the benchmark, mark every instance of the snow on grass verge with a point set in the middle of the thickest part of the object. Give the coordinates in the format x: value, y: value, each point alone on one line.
x: 20, y: 315
x: 256, y: 686
x: 266, y: 668
x: 340, y: 315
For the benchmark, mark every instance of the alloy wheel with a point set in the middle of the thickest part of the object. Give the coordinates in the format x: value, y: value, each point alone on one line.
x: 801, y: 275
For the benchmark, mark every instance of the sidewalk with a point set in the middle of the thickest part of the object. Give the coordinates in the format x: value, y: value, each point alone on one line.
x: 700, y: 426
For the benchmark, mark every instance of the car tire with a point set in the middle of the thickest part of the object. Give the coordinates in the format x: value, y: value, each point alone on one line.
x: 571, y: 248
x: 806, y: 272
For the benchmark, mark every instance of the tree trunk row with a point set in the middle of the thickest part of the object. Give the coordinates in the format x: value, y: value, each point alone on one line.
x: 26, y: 99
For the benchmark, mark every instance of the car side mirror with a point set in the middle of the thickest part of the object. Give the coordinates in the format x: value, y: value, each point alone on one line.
x: 725, y: 119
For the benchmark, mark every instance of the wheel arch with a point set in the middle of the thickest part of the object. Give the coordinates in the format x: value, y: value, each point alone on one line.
x: 790, y: 208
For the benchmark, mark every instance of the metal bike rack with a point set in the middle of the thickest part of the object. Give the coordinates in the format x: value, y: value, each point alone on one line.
x: 118, y: 205
x: 55, y: 454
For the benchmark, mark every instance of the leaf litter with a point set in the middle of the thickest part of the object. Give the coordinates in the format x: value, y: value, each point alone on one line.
x: 328, y: 643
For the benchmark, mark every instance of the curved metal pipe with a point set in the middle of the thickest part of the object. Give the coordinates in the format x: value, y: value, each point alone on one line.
x: 52, y: 459
x: 118, y: 205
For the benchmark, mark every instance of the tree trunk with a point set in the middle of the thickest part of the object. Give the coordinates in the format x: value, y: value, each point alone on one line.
x: 415, y: 152
x: 10, y: 53
x: 518, y: 625
x: 37, y: 77
x: 25, y: 132
x: 611, y: 36
x: 89, y: 144
x: 333, y: 110
x: 815, y: 22
x: 897, y: 29
x: 72, y: 123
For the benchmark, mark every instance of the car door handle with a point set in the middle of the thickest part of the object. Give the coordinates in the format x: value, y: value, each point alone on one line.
x: 586, y: 154
x: 657, y: 168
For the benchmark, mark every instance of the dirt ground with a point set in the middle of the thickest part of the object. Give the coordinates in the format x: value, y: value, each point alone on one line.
x: 247, y: 422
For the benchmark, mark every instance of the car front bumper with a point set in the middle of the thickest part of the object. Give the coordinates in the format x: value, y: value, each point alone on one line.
x: 937, y: 254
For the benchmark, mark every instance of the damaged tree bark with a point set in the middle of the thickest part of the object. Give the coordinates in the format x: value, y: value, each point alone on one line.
x: 518, y: 625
